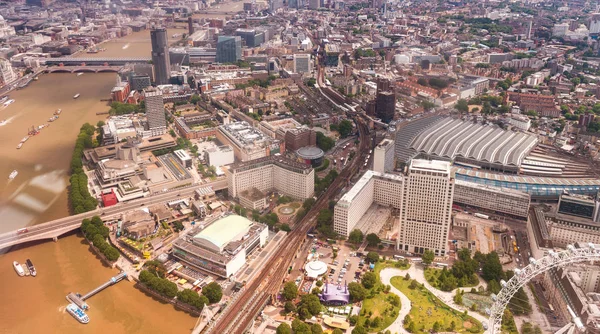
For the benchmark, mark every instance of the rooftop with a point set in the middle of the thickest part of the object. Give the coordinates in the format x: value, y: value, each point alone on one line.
x: 363, y: 181
x: 430, y: 165
x: 224, y: 230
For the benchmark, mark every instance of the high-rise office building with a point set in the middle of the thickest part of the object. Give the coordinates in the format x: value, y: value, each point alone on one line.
x: 6, y: 72
x: 160, y: 56
x: 251, y: 37
x: 302, y: 63
x: 190, y: 26
x: 229, y: 49
x: 426, y: 211
x: 383, y: 85
x: 383, y: 156
x: 155, y: 112
x: 385, y: 106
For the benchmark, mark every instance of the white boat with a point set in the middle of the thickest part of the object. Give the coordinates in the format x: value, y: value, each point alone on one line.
x: 79, y: 74
x: 58, y: 111
x: 76, y: 95
x: 78, y: 313
x: 18, y: 268
x: 9, y: 102
x: 24, y: 139
x: 19, y: 146
x: 3, y: 122
x: 13, y: 174
x: 3, y: 99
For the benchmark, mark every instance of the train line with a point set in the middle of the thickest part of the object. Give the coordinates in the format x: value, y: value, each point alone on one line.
x: 263, y: 288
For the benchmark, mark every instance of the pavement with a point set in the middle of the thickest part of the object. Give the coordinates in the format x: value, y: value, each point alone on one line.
x: 417, y: 273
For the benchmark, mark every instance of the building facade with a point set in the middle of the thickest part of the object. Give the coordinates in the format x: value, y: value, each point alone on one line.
x: 229, y: 49
x: 272, y: 173
x: 426, y: 213
x: 302, y: 63
x: 497, y: 200
x: 7, y: 74
x: 385, y: 106
x: 383, y: 156
x: 160, y: 56
x: 372, y: 187
x: 155, y: 112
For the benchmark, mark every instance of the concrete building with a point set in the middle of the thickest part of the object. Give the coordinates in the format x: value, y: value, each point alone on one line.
x: 251, y: 37
x: 7, y: 74
x: 314, y: 4
x: 272, y: 173
x: 155, y: 112
x: 247, y: 142
x: 219, y: 156
x: 372, y: 187
x: 490, y: 199
x: 229, y: 49
x: 520, y: 122
x: 300, y: 137
x: 221, y: 247
x: 184, y: 159
x: 160, y: 56
x: 383, y: 157
x: 302, y: 63
x: 583, y: 206
x: 426, y: 212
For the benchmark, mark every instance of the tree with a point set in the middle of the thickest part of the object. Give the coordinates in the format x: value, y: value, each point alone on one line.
x: 290, y: 291
x: 308, y: 203
x: 345, y: 128
x: 372, y: 257
x: 356, y: 236
x: 373, y: 240
x: 411, y: 327
x: 359, y: 330
x: 311, y: 303
x: 337, y: 331
x: 369, y: 280
x: 436, y: 327
x: 289, y: 307
x: 213, y: 292
x: 492, y: 268
x: 428, y: 257
x: 462, y: 105
x: 316, y: 329
x: 357, y: 292
x: 422, y: 81
x: 284, y: 329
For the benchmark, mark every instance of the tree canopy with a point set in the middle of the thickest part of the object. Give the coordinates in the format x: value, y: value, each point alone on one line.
x: 428, y: 257
x: 290, y: 291
x: 356, y: 236
x: 213, y: 292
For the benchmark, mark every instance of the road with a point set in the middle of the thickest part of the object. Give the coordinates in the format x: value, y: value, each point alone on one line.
x: 8, y: 88
x: 60, y: 226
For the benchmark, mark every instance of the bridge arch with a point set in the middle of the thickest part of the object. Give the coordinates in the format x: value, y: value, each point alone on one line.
x: 585, y: 253
x: 84, y: 69
x: 60, y: 70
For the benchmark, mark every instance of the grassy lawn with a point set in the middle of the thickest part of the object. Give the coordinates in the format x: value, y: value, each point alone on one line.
x: 379, y: 307
x: 428, y: 309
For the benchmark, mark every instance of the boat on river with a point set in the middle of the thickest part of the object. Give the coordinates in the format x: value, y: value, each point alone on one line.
x: 18, y: 268
x: 78, y: 313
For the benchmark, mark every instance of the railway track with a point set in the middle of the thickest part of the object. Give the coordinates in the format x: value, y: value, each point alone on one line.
x: 240, y: 313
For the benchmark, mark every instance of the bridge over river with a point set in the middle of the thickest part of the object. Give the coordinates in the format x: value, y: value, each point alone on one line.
x: 55, y: 228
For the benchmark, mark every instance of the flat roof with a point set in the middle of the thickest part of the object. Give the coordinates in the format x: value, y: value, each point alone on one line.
x: 222, y: 231
x: 430, y: 165
x: 363, y: 181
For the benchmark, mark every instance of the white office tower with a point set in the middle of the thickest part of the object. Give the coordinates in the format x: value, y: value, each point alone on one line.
x: 302, y: 63
x: 155, y: 112
x: 383, y: 156
x: 6, y: 71
x: 426, y: 212
x: 595, y: 23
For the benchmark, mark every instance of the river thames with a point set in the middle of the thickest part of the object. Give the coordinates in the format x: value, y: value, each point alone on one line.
x: 39, y: 194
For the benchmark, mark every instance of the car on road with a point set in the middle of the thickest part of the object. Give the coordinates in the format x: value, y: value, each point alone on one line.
x: 22, y: 230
